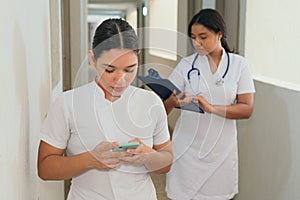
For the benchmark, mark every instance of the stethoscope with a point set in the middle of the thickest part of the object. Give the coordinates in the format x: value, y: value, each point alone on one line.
x: 219, y: 81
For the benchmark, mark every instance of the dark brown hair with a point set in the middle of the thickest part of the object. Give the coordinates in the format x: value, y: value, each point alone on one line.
x: 213, y: 21
x: 114, y: 34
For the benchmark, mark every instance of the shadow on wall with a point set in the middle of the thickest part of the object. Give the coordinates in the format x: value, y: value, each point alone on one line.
x: 264, y: 146
x: 20, y: 169
x: 44, y: 85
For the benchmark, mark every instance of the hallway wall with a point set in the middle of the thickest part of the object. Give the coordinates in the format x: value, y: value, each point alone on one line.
x: 270, y: 141
x: 271, y: 40
x: 26, y: 92
x: 269, y: 146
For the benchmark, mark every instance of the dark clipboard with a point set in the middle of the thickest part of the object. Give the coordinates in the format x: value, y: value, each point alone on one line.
x: 164, y: 88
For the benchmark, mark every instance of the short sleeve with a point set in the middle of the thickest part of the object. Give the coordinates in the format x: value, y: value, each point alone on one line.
x: 245, y: 83
x: 176, y: 77
x: 161, y: 132
x: 55, y: 128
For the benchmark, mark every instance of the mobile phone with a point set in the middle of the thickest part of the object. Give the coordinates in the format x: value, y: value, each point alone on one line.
x: 125, y: 146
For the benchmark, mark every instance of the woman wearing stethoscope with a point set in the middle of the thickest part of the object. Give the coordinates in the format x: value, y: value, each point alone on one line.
x: 205, y: 163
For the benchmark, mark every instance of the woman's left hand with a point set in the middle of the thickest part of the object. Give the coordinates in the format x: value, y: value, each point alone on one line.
x: 203, y: 104
x: 242, y: 109
x: 137, y: 156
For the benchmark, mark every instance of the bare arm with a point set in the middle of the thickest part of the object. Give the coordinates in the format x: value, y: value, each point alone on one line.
x: 241, y: 110
x: 161, y: 160
x: 52, y: 165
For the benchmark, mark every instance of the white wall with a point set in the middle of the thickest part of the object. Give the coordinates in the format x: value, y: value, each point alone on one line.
x: 272, y: 39
x: 25, y: 87
x: 163, y: 18
x: 269, y: 143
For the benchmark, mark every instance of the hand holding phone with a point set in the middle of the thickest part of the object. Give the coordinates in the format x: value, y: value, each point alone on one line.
x: 125, y: 146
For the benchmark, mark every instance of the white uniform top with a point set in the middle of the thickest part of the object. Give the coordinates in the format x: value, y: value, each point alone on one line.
x: 205, y: 163
x: 82, y: 118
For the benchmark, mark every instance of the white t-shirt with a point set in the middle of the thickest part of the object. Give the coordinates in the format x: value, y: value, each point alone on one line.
x: 205, y: 145
x: 82, y: 118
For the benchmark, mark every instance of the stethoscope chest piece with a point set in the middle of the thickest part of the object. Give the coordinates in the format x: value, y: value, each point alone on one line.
x: 219, y: 82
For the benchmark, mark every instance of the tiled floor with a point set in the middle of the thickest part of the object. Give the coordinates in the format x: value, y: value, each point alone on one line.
x: 159, y: 181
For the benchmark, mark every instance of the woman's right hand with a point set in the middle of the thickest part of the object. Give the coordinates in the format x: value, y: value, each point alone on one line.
x: 176, y: 100
x: 104, y: 157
